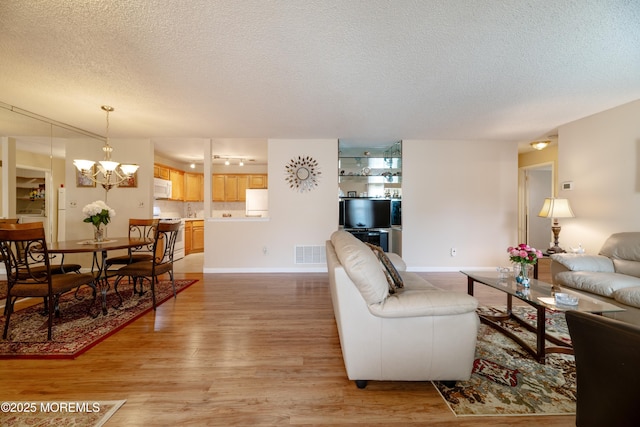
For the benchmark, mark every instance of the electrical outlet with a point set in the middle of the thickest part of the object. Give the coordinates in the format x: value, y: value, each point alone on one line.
x: 73, y: 204
x: 454, y: 252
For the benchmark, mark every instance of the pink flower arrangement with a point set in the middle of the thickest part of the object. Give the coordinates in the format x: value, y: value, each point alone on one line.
x: 524, y: 254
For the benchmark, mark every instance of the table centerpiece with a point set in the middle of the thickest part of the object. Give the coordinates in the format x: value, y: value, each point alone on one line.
x: 523, y: 256
x: 99, y: 215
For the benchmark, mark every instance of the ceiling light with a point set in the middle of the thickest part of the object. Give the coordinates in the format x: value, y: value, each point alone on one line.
x: 539, y: 145
x: 226, y: 162
x: 192, y: 165
x: 241, y: 162
x: 113, y: 173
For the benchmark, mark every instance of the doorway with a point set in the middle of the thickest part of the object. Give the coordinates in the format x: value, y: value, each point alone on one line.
x: 536, y: 184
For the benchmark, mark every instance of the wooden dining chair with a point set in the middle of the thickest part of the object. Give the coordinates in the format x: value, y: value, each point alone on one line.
x: 162, y: 262
x: 55, y: 268
x: 138, y: 229
x: 29, y: 273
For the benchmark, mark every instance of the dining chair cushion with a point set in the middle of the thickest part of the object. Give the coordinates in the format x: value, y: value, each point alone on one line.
x: 126, y: 259
x: 59, y: 283
x: 144, y: 268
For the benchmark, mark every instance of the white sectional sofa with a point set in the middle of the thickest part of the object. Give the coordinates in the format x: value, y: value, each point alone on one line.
x: 417, y: 333
x: 612, y: 276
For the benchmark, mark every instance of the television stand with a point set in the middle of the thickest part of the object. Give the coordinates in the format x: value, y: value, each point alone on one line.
x: 375, y: 237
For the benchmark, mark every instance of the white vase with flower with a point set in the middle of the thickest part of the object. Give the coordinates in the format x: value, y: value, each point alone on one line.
x: 99, y: 215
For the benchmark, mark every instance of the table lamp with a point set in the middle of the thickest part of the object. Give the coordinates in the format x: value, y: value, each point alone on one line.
x: 556, y: 208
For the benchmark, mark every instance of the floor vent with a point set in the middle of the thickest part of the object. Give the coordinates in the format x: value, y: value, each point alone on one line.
x: 310, y: 255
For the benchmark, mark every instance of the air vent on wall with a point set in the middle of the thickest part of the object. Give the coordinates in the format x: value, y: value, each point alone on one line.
x: 310, y: 255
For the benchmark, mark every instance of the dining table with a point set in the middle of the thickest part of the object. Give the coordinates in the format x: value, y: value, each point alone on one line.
x: 99, y: 252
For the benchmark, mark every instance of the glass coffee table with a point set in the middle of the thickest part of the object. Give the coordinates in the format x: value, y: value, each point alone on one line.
x: 540, y: 296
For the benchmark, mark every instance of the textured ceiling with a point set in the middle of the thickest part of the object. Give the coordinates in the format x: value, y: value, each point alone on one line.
x: 505, y: 70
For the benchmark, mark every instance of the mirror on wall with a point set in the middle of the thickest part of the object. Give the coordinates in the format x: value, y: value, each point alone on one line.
x: 32, y: 150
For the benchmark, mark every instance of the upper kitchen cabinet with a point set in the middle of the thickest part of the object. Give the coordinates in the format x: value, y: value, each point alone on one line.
x: 177, y: 184
x: 233, y: 187
x: 160, y: 171
x: 369, y: 171
x: 194, y: 187
x: 258, y: 181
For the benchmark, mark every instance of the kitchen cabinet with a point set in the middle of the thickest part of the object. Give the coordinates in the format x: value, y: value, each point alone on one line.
x: 218, y: 188
x: 197, y: 236
x: 257, y: 181
x: 232, y: 187
x: 194, y: 187
x: 177, y: 184
x: 188, y: 241
x: 193, y: 236
x: 231, y: 190
x: 160, y: 171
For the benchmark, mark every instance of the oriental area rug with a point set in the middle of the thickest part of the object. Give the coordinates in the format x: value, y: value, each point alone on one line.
x: 506, y: 380
x: 75, y: 331
x: 77, y: 414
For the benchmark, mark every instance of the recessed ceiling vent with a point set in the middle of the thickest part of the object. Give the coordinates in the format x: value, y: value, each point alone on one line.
x: 310, y: 255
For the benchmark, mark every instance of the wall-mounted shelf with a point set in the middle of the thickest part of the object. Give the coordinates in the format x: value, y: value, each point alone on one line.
x: 370, y: 172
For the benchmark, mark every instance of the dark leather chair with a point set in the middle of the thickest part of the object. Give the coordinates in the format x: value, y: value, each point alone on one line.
x: 607, y: 356
x: 161, y: 263
x: 29, y: 272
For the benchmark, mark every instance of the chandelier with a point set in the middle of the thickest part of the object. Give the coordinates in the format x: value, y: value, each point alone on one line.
x: 108, y: 173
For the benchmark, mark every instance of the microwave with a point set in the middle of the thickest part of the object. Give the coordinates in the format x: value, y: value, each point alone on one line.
x: 161, y: 188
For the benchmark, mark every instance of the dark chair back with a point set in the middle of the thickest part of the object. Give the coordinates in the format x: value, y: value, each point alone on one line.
x: 607, y: 356
x: 143, y: 229
x: 26, y: 259
x: 24, y: 251
x: 165, y: 242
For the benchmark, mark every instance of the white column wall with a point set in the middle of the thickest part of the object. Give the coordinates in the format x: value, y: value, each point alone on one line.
x: 294, y: 218
x: 458, y: 194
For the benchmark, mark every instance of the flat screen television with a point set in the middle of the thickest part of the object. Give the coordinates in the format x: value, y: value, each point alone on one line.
x: 367, y: 213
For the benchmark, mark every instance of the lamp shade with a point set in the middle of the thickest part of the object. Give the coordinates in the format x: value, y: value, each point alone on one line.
x: 83, y: 165
x: 129, y: 169
x: 556, y: 208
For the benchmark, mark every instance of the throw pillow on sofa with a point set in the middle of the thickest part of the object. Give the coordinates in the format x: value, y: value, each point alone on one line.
x: 393, y: 277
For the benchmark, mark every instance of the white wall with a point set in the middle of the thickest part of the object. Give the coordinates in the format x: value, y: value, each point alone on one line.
x: 601, y: 155
x: 455, y: 194
x: 294, y: 218
x: 460, y: 194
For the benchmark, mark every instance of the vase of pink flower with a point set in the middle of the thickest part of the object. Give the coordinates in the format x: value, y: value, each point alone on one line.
x: 524, y: 256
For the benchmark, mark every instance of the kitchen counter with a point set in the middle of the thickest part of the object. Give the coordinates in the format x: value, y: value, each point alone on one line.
x: 239, y: 219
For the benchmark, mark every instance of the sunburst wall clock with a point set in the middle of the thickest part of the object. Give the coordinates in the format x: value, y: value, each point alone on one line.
x: 302, y: 173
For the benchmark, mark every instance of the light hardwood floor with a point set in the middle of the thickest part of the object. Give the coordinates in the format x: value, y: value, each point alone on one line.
x: 241, y: 350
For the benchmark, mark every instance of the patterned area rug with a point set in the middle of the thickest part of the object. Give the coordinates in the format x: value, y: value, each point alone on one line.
x: 76, y: 331
x: 77, y: 414
x: 506, y: 380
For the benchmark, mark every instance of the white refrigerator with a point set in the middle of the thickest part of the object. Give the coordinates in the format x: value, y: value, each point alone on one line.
x: 257, y: 203
x: 62, y: 218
